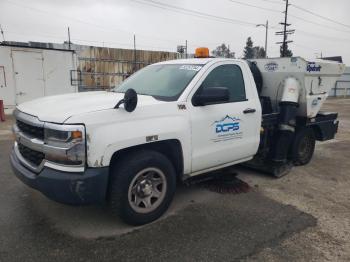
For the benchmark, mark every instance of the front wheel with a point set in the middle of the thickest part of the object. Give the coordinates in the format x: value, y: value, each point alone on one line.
x: 303, y: 146
x: 142, y: 187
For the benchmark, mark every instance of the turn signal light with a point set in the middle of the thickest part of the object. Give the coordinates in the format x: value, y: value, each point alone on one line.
x: 202, y: 52
x: 76, y: 134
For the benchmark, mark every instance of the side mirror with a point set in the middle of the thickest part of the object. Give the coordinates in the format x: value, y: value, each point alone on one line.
x: 211, y: 95
x: 129, y: 100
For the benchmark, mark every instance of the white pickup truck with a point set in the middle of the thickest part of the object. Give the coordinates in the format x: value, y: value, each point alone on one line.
x: 172, y: 121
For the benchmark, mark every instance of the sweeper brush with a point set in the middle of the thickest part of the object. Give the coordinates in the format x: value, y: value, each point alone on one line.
x: 224, y: 182
x: 227, y: 184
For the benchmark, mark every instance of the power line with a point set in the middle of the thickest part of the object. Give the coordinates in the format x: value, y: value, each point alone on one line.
x: 255, y: 6
x: 64, y: 16
x: 86, y: 41
x: 62, y: 38
x: 276, y: 11
x: 324, y: 37
x: 100, y: 27
x: 103, y: 28
x: 310, y: 12
x: 272, y: 1
x: 323, y: 25
x: 178, y: 10
x: 99, y: 42
x: 320, y: 16
x: 285, y: 32
x: 192, y: 12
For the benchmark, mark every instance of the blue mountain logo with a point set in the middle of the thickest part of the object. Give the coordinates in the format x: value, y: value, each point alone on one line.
x: 227, y: 117
x: 227, y: 124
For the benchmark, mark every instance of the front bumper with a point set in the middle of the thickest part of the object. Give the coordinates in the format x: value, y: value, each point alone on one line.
x: 89, y: 187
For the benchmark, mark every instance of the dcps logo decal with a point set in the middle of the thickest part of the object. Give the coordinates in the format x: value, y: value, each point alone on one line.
x: 227, y: 124
x: 227, y: 128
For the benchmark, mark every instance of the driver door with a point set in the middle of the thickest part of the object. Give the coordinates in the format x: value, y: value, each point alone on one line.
x: 224, y: 133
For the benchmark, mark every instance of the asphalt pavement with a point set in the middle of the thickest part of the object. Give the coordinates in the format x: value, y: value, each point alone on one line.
x: 301, y: 217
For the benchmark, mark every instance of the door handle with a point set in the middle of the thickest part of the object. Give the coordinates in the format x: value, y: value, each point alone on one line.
x: 249, y: 111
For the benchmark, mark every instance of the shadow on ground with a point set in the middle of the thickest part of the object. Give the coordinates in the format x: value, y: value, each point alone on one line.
x: 201, y: 226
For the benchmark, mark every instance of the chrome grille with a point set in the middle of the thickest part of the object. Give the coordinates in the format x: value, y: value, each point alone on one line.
x: 29, y: 132
x: 34, y: 131
x: 31, y: 149
x: 32, y: 156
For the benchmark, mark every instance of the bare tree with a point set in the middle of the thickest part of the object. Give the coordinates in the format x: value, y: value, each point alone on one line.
x: 223, y: 51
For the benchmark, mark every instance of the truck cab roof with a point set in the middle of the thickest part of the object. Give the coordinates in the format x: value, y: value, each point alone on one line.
x: 198, y: 61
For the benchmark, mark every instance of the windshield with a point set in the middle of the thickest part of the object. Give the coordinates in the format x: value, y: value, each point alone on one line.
x: 163, y: 82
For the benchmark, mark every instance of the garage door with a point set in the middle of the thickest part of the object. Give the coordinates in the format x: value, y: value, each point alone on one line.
x: 29, y: 76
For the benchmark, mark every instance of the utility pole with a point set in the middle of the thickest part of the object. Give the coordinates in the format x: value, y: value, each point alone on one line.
x: 266, y: 33
x: 267, y: 30
x: 285, y: 32
x: 69, y: 42
x: 285, y: 29
x: 182, y: 49
x: 2, y: 33
x: 134, y: 53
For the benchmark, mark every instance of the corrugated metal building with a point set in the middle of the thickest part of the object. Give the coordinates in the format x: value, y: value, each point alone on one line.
x: 342, y: 86
x: 28, y: 72
x: 32, y: 70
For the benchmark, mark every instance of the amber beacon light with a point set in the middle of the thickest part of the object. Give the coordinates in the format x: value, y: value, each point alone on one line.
x: 202, y: 52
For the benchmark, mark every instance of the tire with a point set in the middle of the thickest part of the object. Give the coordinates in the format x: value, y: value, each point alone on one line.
x: 303, y: 146
x: 142, y: 187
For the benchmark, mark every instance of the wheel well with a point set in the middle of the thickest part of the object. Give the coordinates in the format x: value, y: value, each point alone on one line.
x: 170, y: 148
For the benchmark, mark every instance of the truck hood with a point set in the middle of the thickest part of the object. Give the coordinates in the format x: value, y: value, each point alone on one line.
x: 58, y: 109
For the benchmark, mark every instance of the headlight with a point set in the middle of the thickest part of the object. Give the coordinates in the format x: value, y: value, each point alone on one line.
x: 58, y: 137
x: 65, y: 144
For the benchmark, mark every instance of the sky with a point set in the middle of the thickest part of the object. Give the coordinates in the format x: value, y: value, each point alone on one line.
x: 164, y: 24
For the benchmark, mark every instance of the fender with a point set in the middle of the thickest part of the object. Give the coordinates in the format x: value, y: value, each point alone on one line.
x: 109, y: 131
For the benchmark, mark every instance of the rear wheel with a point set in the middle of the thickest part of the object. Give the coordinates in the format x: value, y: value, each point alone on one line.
x: 142, y: 187
x: 303, y: 146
